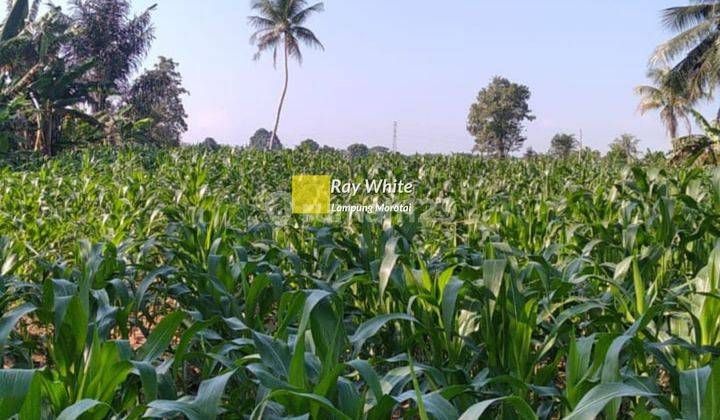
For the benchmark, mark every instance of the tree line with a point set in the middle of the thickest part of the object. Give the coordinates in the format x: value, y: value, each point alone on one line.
x: 263, y: 138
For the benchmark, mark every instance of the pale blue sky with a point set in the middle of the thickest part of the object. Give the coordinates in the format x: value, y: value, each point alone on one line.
x: 419, y: 62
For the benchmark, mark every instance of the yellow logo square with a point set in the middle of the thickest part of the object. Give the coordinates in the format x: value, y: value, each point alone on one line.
x: 311, y: 194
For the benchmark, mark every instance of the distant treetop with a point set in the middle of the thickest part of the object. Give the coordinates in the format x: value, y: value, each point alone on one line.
x: 496, y: 118
x: 563, y: 144
x: 309, y: 145
x: 261, y: 139
x: 358, y: 150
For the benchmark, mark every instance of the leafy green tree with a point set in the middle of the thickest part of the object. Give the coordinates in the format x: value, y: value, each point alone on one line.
x: 309, y: 145
x: 496, y: 118
x: 57, y: 91
x: 530, y: 153
x: 104, y: 31
x: 279, y: 24
x: 358, y: 150
x: 157, y: 94
x: 668, y: 96
x: 379, y: 150
x: 262, y: 138
x: 624, y: 147
x: 562, y: 145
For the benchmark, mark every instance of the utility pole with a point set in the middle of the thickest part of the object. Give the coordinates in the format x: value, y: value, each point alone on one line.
x: 395, y: 136
x: 581, y: 139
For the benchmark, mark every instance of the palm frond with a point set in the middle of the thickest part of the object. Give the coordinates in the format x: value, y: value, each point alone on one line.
x: 658, y: 74
x: 692, y: 38
x: 267, y: 8
x: 261, y: 23
x: 300, y: 17
x: 646, y: 106
x: 699, y: 69
x: 292, y: 7
x: 688, y: 124
x: 648, y: 91
x: 266, y: 40
x: 259, y: 34
x: 293, y: 48
x: 308, y: 37
x: 669, y: 118
x: 140, y: 28
x: 681, y: 18
x: 34, y: 9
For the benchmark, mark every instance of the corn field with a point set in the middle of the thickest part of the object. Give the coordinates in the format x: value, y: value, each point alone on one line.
x: 146, y: 283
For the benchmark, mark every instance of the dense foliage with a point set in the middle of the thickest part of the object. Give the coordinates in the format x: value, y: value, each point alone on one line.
x: 309, y: 145
x: 105, y: 32
x: 156, y: 95
x: 65, y: 79
x: 163, y: 283
x: 497, y: 116
x: 624, y: 147
x: 563, y: 144
x: 358, y: 150
x: 263, y: 138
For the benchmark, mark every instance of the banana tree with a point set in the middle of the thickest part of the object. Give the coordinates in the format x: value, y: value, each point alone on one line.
x: 702, y: 147
x: 54, y: 96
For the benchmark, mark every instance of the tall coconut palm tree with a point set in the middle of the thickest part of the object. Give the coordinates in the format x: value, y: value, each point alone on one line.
x: 697, y: 46
x: 668, y: 96
x: 279, y: 25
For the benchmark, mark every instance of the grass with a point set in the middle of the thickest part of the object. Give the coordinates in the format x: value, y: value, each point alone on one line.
x: 158, y: 283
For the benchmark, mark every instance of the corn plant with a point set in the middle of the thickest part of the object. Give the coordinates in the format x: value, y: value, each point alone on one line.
x: 147, y: 283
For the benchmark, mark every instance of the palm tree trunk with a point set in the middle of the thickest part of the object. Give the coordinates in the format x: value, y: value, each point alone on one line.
x: 282, y: 100
x: 672, y: 124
